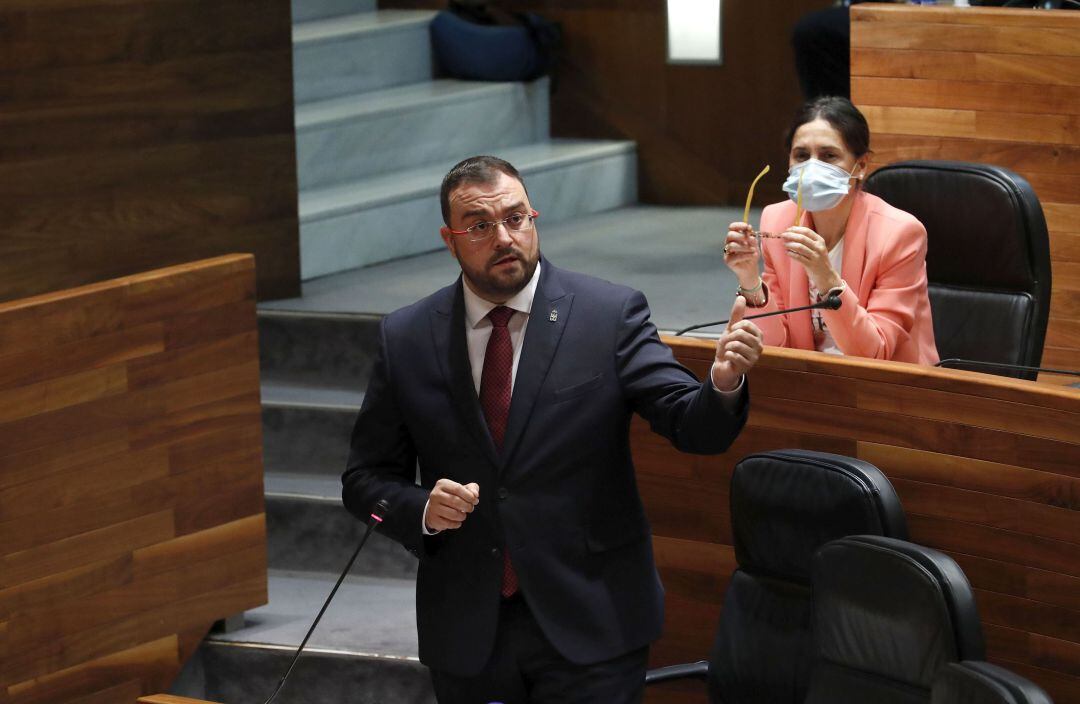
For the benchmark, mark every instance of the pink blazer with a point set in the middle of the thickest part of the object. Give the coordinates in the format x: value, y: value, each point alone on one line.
x: 885, y: 312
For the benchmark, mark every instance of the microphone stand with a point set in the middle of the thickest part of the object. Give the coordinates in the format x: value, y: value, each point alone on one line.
x: 377, y: 515
x: 828, y: 303
x: 944, y: 364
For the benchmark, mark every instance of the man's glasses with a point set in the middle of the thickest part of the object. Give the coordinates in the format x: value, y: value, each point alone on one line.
x: 483, y: 230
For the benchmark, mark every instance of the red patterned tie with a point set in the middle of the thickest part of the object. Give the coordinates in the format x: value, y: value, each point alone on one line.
x: 495, y: 388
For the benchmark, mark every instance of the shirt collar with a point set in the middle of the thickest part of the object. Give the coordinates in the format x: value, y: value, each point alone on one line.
x: 477, y: 308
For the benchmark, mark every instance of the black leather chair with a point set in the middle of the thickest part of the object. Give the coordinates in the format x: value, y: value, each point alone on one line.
x: 888, y: 616
x: 784, y: 506
x: 987, y: 261
x: 974, y: 682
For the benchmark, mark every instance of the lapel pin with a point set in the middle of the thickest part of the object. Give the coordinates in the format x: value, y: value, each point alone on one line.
x: 553, y: 316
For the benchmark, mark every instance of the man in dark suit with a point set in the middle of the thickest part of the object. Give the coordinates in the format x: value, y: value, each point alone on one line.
x: 517, y: 384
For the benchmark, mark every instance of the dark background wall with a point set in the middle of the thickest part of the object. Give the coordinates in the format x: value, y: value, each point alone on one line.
x: 136, y: 134
x: 703, y: 132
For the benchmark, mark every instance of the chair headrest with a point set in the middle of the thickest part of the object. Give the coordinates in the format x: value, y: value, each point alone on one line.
x: 786, y: 504
x: 972, y: 213
x: 893, y: 609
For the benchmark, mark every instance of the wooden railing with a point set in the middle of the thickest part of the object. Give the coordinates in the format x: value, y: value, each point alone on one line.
x: 987, y: 468
x: 131, y: 503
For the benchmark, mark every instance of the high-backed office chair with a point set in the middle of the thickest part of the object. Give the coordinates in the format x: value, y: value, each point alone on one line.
x: 974, y: 682
x: 784, y: 506
x: 987, y: 261
x: 888, y: 615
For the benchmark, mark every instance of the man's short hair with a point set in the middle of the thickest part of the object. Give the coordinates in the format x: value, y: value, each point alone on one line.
x: 475, y: 169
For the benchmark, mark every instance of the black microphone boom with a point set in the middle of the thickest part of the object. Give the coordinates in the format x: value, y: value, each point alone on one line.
x: 828, y: 303
x: 954, y: 361
x: 378, y: 513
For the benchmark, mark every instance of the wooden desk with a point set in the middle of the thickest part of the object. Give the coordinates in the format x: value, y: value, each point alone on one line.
x: 988, y: 470
x: 131, y: 495
x: 994, y: 85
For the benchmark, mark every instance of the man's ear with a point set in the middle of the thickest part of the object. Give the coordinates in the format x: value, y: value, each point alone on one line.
x: 448, y: 240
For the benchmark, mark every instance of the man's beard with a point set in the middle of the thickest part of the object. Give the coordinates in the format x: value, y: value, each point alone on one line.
x: 495, y: 286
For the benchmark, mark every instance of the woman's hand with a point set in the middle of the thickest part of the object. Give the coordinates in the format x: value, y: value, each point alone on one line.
x: 741, y: 254
x: 808, y: 248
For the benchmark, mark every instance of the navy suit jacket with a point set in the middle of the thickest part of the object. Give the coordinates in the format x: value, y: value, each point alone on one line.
x: 561, y: 496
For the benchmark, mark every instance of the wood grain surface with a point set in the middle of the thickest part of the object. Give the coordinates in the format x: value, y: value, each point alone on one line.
x: 990, y: 85
x: 130, y: 479
x: 987, y: 469
x: 140, y: 134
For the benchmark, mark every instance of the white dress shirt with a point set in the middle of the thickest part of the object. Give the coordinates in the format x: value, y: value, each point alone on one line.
x: 828, y: 344
x: 478, y: 326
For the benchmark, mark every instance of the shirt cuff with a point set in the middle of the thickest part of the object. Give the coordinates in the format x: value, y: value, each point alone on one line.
x: 423, y: 518
x: 729, y: 399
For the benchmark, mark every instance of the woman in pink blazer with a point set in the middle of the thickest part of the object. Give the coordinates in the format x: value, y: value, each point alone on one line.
x: 846, y: 242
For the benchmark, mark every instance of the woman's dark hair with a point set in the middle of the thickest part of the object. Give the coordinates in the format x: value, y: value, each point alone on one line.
x: 844, y: 117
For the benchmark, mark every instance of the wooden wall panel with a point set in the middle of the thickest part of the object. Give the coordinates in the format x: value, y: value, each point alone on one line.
x: 703, y: 132
x: 136, y: 135
x: 991, y: 85
x: 131, y: 502
x: 986, y: 467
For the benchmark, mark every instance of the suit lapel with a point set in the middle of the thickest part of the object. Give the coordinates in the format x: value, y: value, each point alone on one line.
x: 547, y: 320
x: 448, y: 335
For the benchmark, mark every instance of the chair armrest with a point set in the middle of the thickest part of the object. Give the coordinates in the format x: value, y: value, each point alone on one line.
x: 699, y: 670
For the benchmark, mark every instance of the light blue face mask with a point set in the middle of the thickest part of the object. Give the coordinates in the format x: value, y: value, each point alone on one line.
x: 823, y: 185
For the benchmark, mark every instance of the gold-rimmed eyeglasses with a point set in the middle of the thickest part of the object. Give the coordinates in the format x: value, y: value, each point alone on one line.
x: 483, y: 230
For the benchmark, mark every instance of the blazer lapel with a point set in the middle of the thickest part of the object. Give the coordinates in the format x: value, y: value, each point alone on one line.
x: 855, y: 244
x: 547, y: 320
x: 448, y: 335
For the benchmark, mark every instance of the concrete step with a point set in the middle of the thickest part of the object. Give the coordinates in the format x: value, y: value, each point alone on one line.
x: 362, y: 52
x: 322, y: 358
x: 360, y: 136
x: 308, y: 529
x: 364, y: 649
x: 397, y: 215
x: 304, y: 10
x: 306, y: 429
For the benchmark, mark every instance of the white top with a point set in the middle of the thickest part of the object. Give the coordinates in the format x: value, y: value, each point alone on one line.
x: 828, y: 345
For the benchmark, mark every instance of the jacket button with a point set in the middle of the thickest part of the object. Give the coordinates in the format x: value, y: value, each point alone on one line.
x: 503, y: 493
x: 496, y: 553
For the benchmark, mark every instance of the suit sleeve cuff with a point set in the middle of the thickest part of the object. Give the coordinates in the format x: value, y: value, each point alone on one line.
x: 729, y: 400
x: 423, y: 521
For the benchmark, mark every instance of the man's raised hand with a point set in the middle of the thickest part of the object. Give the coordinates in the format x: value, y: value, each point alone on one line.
x: 737, y: 349
x: 449, y: 504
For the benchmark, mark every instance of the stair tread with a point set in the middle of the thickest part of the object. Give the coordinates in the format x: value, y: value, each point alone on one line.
x: 326, y: 488
x: 331, y: 28
x: 530, y: 158
x: 394, y: 100
x: 283, y: 390
x: 369, y: 615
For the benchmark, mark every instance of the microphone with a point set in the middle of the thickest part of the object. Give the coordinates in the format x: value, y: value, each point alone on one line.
x: 378, y: 513
x: 956, y: 361
x: 828, y: 303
